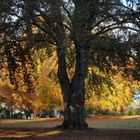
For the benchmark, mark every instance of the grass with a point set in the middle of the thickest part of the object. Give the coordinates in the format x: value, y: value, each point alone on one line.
x: 101, y: 128
x: 125, y: 122
x: 33, y: 123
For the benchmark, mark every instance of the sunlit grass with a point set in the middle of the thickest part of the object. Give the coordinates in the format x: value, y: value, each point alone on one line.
x: 24, y: 134
x: 32, y: 123
x: 125, y: 122
x: 120, y: 123
x: 55, y: 132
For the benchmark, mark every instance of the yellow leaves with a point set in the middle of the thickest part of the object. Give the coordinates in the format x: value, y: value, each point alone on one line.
x: 47, y: 90
x: 38, y: 105
x: 112, y: 98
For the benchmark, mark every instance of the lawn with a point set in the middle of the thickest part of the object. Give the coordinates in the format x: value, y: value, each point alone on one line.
x: 100, y: 128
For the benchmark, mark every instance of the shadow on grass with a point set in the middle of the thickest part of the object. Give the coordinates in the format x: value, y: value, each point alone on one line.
x: 60, y: 134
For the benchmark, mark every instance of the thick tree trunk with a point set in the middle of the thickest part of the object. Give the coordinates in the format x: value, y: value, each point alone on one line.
x: 74, y: 113
x: 73, y: 91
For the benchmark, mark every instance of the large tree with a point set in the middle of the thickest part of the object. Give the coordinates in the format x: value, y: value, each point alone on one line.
x: 26, y: 23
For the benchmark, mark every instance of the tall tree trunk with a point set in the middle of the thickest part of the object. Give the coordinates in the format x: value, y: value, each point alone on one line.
x: 73, y: 91
x: 75, y: 104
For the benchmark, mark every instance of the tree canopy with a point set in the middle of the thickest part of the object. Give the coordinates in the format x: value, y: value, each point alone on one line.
x: 84, y: 33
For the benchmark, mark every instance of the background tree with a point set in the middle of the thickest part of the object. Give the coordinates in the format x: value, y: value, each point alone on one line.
x: 47, y: 89
x: 110, y: 94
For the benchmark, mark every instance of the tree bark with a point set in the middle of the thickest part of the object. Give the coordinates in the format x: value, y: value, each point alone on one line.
x: 74, y: 113
x: 73, y: 90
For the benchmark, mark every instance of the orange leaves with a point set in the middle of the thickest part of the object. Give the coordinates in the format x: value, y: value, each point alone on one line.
x: 18, y: 99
